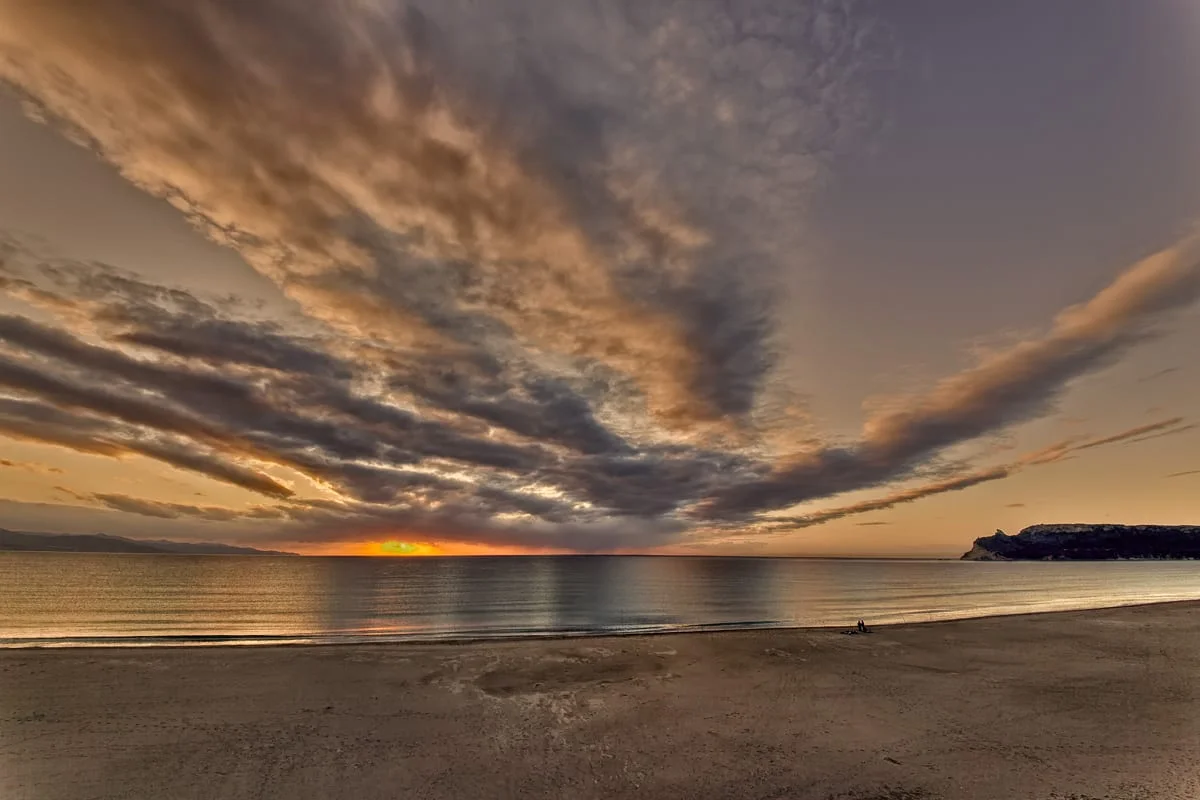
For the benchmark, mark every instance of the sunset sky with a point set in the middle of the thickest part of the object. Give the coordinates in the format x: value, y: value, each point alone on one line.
x: 786, y: 278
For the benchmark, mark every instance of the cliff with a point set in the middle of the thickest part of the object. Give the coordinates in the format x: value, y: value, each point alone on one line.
x: 1088, y: 543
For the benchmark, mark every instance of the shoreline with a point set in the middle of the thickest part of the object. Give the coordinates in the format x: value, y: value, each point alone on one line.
x: 1102, y: 704
x: 451, y: 640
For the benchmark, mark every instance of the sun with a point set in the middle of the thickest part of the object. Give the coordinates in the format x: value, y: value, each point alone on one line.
x: 395, y: 548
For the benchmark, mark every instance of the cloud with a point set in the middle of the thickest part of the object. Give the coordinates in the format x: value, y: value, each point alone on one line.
x: 408, y: 191
x: 1047, y: 455
x: 1185, y: 473
x: 148, y: 508
x: 358, y: 444
x: 1162, y: 373
x: 29, y: 467
x: 1005, y: 387
x: 531, y: 258
x: 464, y: 525
x: 1165, y: 425
x: 892, y: 500
x: 1171, y: 432
x: 486, y: 455
x: 72, y: 493
x: 207, y: 406
x: 1066, y: 448
x: 45, y: 424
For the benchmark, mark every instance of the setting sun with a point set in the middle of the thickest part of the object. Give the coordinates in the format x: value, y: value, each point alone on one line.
x: 398, y: 548
x: 408, y: 549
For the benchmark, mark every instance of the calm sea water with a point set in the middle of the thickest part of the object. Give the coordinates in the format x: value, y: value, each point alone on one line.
x: 131, y: 600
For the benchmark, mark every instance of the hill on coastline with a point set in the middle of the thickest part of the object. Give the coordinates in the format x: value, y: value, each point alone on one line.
x: 1100, y: 542
x: 103, y: 543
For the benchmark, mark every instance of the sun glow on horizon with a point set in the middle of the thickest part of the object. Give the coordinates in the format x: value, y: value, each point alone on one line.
x: 400, y: 548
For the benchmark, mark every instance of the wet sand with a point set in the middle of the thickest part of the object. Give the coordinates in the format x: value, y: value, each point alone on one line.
x: 1072, y: 706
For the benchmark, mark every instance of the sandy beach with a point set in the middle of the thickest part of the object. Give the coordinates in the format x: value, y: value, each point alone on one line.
x: 1071, y: 706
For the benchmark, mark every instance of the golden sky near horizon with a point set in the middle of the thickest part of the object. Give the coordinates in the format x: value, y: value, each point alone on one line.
x: 423, y: 278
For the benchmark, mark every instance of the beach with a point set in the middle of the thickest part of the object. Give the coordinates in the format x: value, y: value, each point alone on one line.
x: 1065, y: 706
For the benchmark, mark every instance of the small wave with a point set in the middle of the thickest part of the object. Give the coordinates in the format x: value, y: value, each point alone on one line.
x: 235, y: 640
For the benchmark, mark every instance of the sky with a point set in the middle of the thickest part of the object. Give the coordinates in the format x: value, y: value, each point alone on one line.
x: 761, y: 278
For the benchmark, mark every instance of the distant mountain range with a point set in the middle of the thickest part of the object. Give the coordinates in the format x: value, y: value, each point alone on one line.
x: 1089, y: 543
x: 103, y: 543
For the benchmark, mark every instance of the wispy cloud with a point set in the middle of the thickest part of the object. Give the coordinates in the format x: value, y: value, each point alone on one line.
x: 1156, y: 376
x: 1191, y: 426
x: 1048, y: 455
x: 1009, y: 386
x: 1184, y: 473
x: 1067, y: 448
x: 1162, y: 373
x: 29, y: 466
x: 63, y: 490
x: 532, y: 256
x: 147, y: 508
x: 892, y: 500
x: 1172, y: 425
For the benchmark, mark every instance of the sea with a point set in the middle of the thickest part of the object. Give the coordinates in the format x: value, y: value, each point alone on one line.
x: 94, y: 600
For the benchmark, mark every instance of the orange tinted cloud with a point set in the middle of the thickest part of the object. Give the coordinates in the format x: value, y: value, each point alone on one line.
x: 1013, y: 385
x: 1047, y: 455
x: 472, y: 238
x: 391, y: 156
